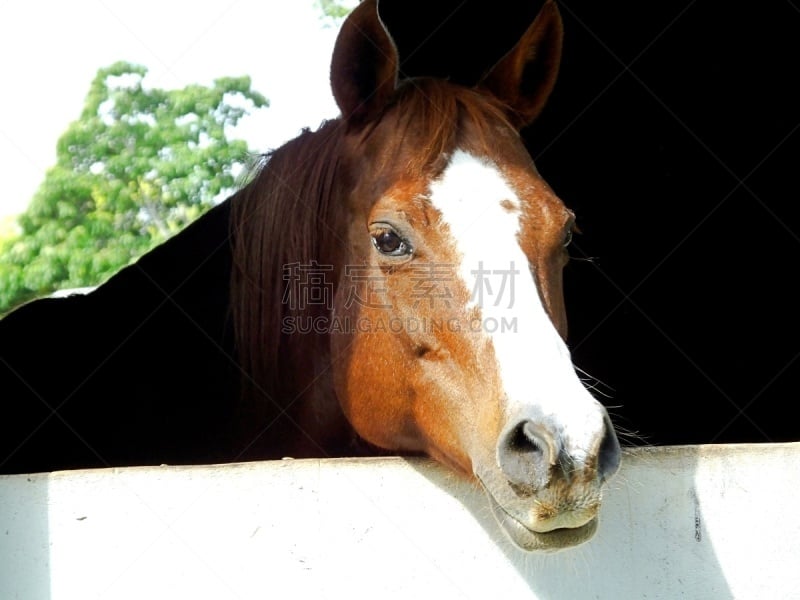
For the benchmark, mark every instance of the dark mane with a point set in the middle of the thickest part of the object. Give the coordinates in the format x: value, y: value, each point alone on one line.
x: 287, y: 214
x: 278, y: 219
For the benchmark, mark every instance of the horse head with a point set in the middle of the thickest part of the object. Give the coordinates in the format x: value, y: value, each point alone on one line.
x: 453, y: 250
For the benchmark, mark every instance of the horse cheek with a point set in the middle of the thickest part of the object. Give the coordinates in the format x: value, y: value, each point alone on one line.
x: 366, y: 383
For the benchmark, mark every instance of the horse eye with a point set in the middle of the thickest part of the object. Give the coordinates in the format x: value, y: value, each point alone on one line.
x: 571, y: 229
x: 389, y: 243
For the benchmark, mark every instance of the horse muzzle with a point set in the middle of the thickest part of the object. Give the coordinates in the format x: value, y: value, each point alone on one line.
x: 544, y: 495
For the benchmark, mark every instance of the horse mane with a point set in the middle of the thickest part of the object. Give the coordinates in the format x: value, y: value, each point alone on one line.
x: 286, y: 214
x: 276, y: 220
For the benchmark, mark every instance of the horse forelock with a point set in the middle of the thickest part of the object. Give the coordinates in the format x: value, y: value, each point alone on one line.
x: 431, y: 118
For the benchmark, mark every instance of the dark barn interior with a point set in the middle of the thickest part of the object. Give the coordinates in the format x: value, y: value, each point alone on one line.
x: 673, y: 134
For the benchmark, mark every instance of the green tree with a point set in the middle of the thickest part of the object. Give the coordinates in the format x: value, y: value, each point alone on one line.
x: 138, y: 165
x: 333, y: 11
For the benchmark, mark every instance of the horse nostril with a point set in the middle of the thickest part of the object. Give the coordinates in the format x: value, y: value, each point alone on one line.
x: 525, y: 454
x: 609, y: 454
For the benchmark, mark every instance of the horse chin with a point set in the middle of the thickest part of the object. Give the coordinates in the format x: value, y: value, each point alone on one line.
x: 580, y: 529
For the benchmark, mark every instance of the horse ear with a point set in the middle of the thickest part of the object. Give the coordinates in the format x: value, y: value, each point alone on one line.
x: 524, y: 78
x: 364, y: 64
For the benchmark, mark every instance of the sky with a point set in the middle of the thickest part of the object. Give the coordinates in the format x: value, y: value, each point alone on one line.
x: 50, y: 51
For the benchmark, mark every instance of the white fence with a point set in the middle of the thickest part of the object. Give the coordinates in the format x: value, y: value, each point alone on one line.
x: 704, y: 522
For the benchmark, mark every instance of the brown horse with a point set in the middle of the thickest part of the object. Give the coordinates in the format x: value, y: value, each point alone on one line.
x: 396, y: 286
x: 435, y: 251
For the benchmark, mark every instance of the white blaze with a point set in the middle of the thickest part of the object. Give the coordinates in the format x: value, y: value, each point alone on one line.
x: 539, y: 380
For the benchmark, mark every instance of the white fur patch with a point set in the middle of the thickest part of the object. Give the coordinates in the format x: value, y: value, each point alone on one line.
x: 483, y: 215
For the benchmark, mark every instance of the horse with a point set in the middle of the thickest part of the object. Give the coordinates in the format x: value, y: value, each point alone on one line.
x: 390, y: 283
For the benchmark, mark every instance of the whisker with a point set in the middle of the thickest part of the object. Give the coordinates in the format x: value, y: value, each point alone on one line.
x: 589, y: 259
x: 594, y: 384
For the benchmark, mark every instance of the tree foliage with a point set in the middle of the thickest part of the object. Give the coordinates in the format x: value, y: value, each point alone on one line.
x: 335, y: 10
x: 138, y: 165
